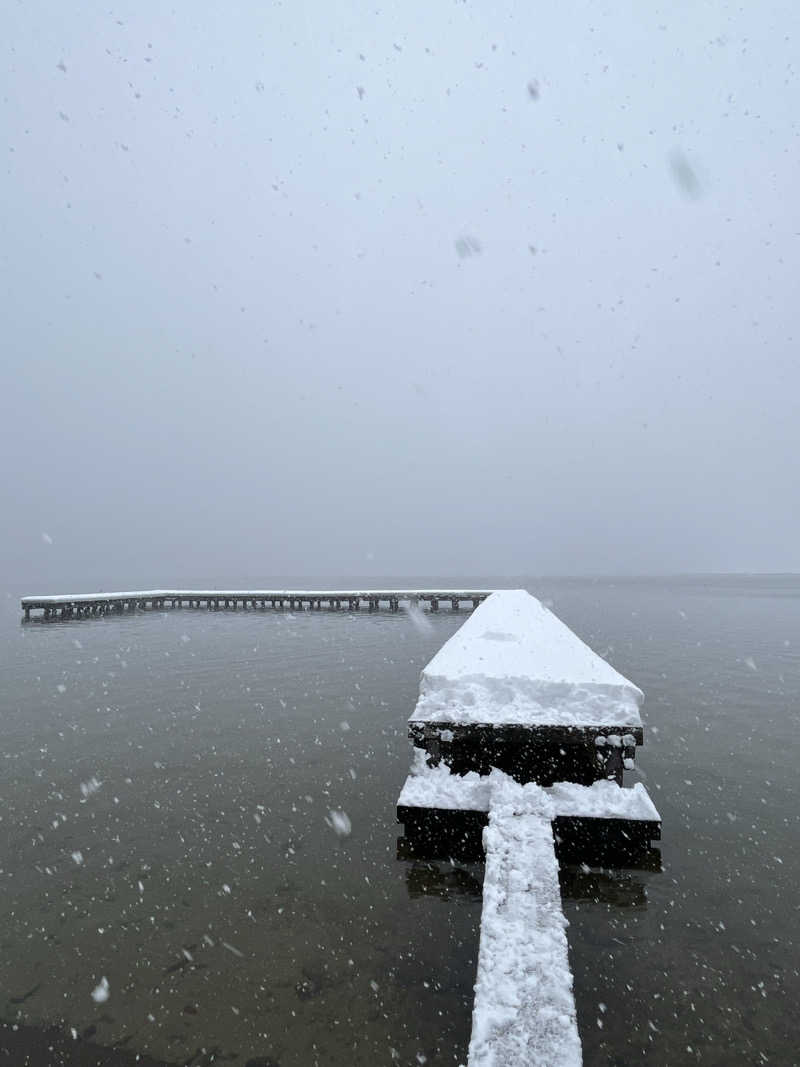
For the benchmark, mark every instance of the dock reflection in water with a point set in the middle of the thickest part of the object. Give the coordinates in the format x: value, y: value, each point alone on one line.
x: 448, y: 873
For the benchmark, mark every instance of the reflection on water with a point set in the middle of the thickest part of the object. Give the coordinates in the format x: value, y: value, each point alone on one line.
x: 448, y: 880
x: 444, y: 880
x: 623, y: 889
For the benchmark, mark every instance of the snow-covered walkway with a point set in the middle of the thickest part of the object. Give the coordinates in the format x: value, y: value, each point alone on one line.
x: 524, y: 1010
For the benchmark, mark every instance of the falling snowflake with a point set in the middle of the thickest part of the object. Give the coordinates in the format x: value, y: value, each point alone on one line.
x: 339, y: 823
x: 100, y: 993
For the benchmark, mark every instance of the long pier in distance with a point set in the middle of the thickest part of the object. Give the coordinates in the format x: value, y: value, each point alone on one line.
x: 73, y: 605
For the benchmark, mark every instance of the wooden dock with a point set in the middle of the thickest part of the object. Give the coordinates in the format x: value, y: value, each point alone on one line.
x: 77, y: 605
x: 521, y: 737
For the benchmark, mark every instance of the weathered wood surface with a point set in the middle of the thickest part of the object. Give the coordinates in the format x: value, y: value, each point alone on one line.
x: 543, y: 754
x: 431, y: 833
x: 82, y: 604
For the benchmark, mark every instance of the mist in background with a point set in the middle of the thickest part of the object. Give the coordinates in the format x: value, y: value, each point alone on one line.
x: 317, y: 289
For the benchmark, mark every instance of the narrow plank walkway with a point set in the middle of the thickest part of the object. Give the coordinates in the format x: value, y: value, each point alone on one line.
x: 524, y: 1009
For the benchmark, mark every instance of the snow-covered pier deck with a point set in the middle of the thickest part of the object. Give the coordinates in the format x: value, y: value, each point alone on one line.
x: 445, y: 812
x: 516, y: 689
x: 74, y: 605
x: 522, y: 735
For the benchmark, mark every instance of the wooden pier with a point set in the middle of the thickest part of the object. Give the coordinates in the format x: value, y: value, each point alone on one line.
x: 78, y: 605
x: 521, y: 738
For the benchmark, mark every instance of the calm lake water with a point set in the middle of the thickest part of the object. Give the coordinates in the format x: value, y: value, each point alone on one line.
x: 166, y: 788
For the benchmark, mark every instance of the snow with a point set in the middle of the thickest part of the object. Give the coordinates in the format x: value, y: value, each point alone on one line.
x: 524, y: 1009
x: 615, y: 741
x: 602, y: 800
x: 100, y: 993
x: 418, y: 619
x: 437, y: 788
x: 201, y: 594
x: 339, y: 822
x: 513, y: 662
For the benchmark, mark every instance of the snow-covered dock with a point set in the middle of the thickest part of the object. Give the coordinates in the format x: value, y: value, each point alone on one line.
x: 70, y: 605
x: 522, y: 734
x: 515, y: 688
x: 443, y: 811
x: 438, y: 788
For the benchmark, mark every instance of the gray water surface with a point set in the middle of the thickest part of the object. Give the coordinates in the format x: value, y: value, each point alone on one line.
x: 210, y: 888
x: 203, y: 878
x: 708, y: 971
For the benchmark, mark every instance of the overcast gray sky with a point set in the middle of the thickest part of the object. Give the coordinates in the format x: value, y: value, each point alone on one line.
x: 434, y: 288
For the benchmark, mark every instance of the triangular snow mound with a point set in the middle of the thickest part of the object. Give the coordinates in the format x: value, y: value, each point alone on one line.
x: 513, y: 662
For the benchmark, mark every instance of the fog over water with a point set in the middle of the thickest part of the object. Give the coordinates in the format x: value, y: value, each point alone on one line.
x: 318, y: 295
x: 297, y: 288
